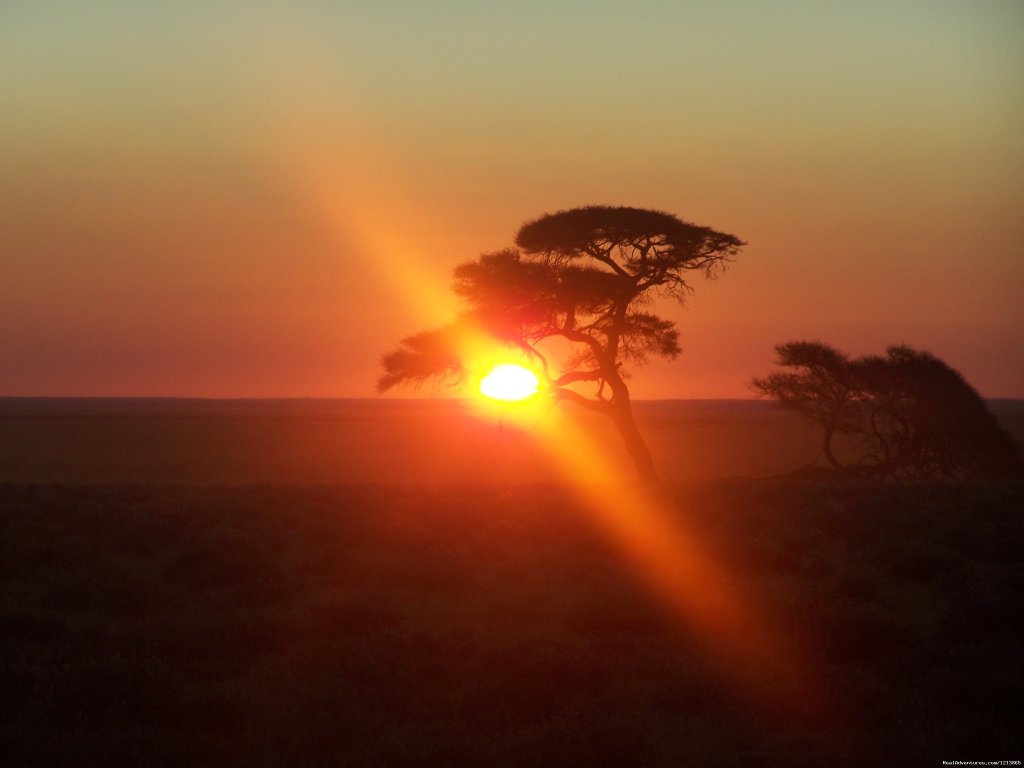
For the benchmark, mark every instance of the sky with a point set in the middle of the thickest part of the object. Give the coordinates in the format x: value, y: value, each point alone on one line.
x: 259, y: 200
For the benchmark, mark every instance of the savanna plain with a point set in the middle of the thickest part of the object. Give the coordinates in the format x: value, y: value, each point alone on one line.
x: 404, y: 582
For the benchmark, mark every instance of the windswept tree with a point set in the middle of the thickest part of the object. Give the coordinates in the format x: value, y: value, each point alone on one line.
x: 586, y: 276
x: 913, y: 415
x: 815, y: 382
x: 925, y: 420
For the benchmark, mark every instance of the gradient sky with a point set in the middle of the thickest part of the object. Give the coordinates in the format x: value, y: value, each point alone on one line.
x: 260, y: 201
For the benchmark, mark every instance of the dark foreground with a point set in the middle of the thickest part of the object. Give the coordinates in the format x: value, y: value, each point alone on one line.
x: 373, y: 626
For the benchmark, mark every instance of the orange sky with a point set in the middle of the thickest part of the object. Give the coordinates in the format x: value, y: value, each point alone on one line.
x: 260, y: 202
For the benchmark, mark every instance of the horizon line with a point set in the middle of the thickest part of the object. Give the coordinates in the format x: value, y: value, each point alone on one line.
x: 371, y: 398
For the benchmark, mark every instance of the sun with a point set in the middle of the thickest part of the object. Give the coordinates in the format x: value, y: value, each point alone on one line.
x: 509, y: 382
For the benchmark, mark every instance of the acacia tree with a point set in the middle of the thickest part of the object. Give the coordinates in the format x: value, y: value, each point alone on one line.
x: 586, y: 276
x: 925, y: 420
x: 817, y: 383
x: 914, y: 416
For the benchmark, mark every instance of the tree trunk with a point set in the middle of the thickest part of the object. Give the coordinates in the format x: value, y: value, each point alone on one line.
x: 826, y: 447
x: 622, y: 415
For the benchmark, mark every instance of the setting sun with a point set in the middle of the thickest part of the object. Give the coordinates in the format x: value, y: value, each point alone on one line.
x: 509, y: 382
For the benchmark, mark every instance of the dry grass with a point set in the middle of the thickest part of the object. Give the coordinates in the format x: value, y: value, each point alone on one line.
x: 494, y: 625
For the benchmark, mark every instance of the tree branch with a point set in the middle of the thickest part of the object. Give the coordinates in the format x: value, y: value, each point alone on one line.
x: 605, y: 258
x: 532, y: 351
x: 599, y: 406
x: 569, y: 378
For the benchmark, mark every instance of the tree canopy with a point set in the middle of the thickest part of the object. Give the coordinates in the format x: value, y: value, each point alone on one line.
x: 912, y: 415
x: 587, y: 276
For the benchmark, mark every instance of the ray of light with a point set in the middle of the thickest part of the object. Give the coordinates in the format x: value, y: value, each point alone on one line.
x: 330, y: 153
x: 682, y: 569
x: 363, y: 199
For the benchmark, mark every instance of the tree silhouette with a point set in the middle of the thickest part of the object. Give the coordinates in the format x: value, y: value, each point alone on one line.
x: 817, y: 385
x: 914, y: 416
x: 586, y: 276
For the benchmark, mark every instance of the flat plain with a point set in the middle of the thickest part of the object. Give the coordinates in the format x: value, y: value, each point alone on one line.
x: 380, y: 441
x: 311, y: 583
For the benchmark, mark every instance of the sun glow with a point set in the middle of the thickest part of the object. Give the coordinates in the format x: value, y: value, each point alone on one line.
x: 509, y: 382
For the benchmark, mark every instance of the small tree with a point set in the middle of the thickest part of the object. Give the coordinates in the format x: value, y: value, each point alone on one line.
x: 914, y: 416
x: 586, y: 276
x: 817, y: 384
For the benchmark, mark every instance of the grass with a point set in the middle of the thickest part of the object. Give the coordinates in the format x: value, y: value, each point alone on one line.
x: 495, y: 625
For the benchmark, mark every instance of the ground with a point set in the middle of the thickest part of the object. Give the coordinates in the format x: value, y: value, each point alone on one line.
x: 498, y: 625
